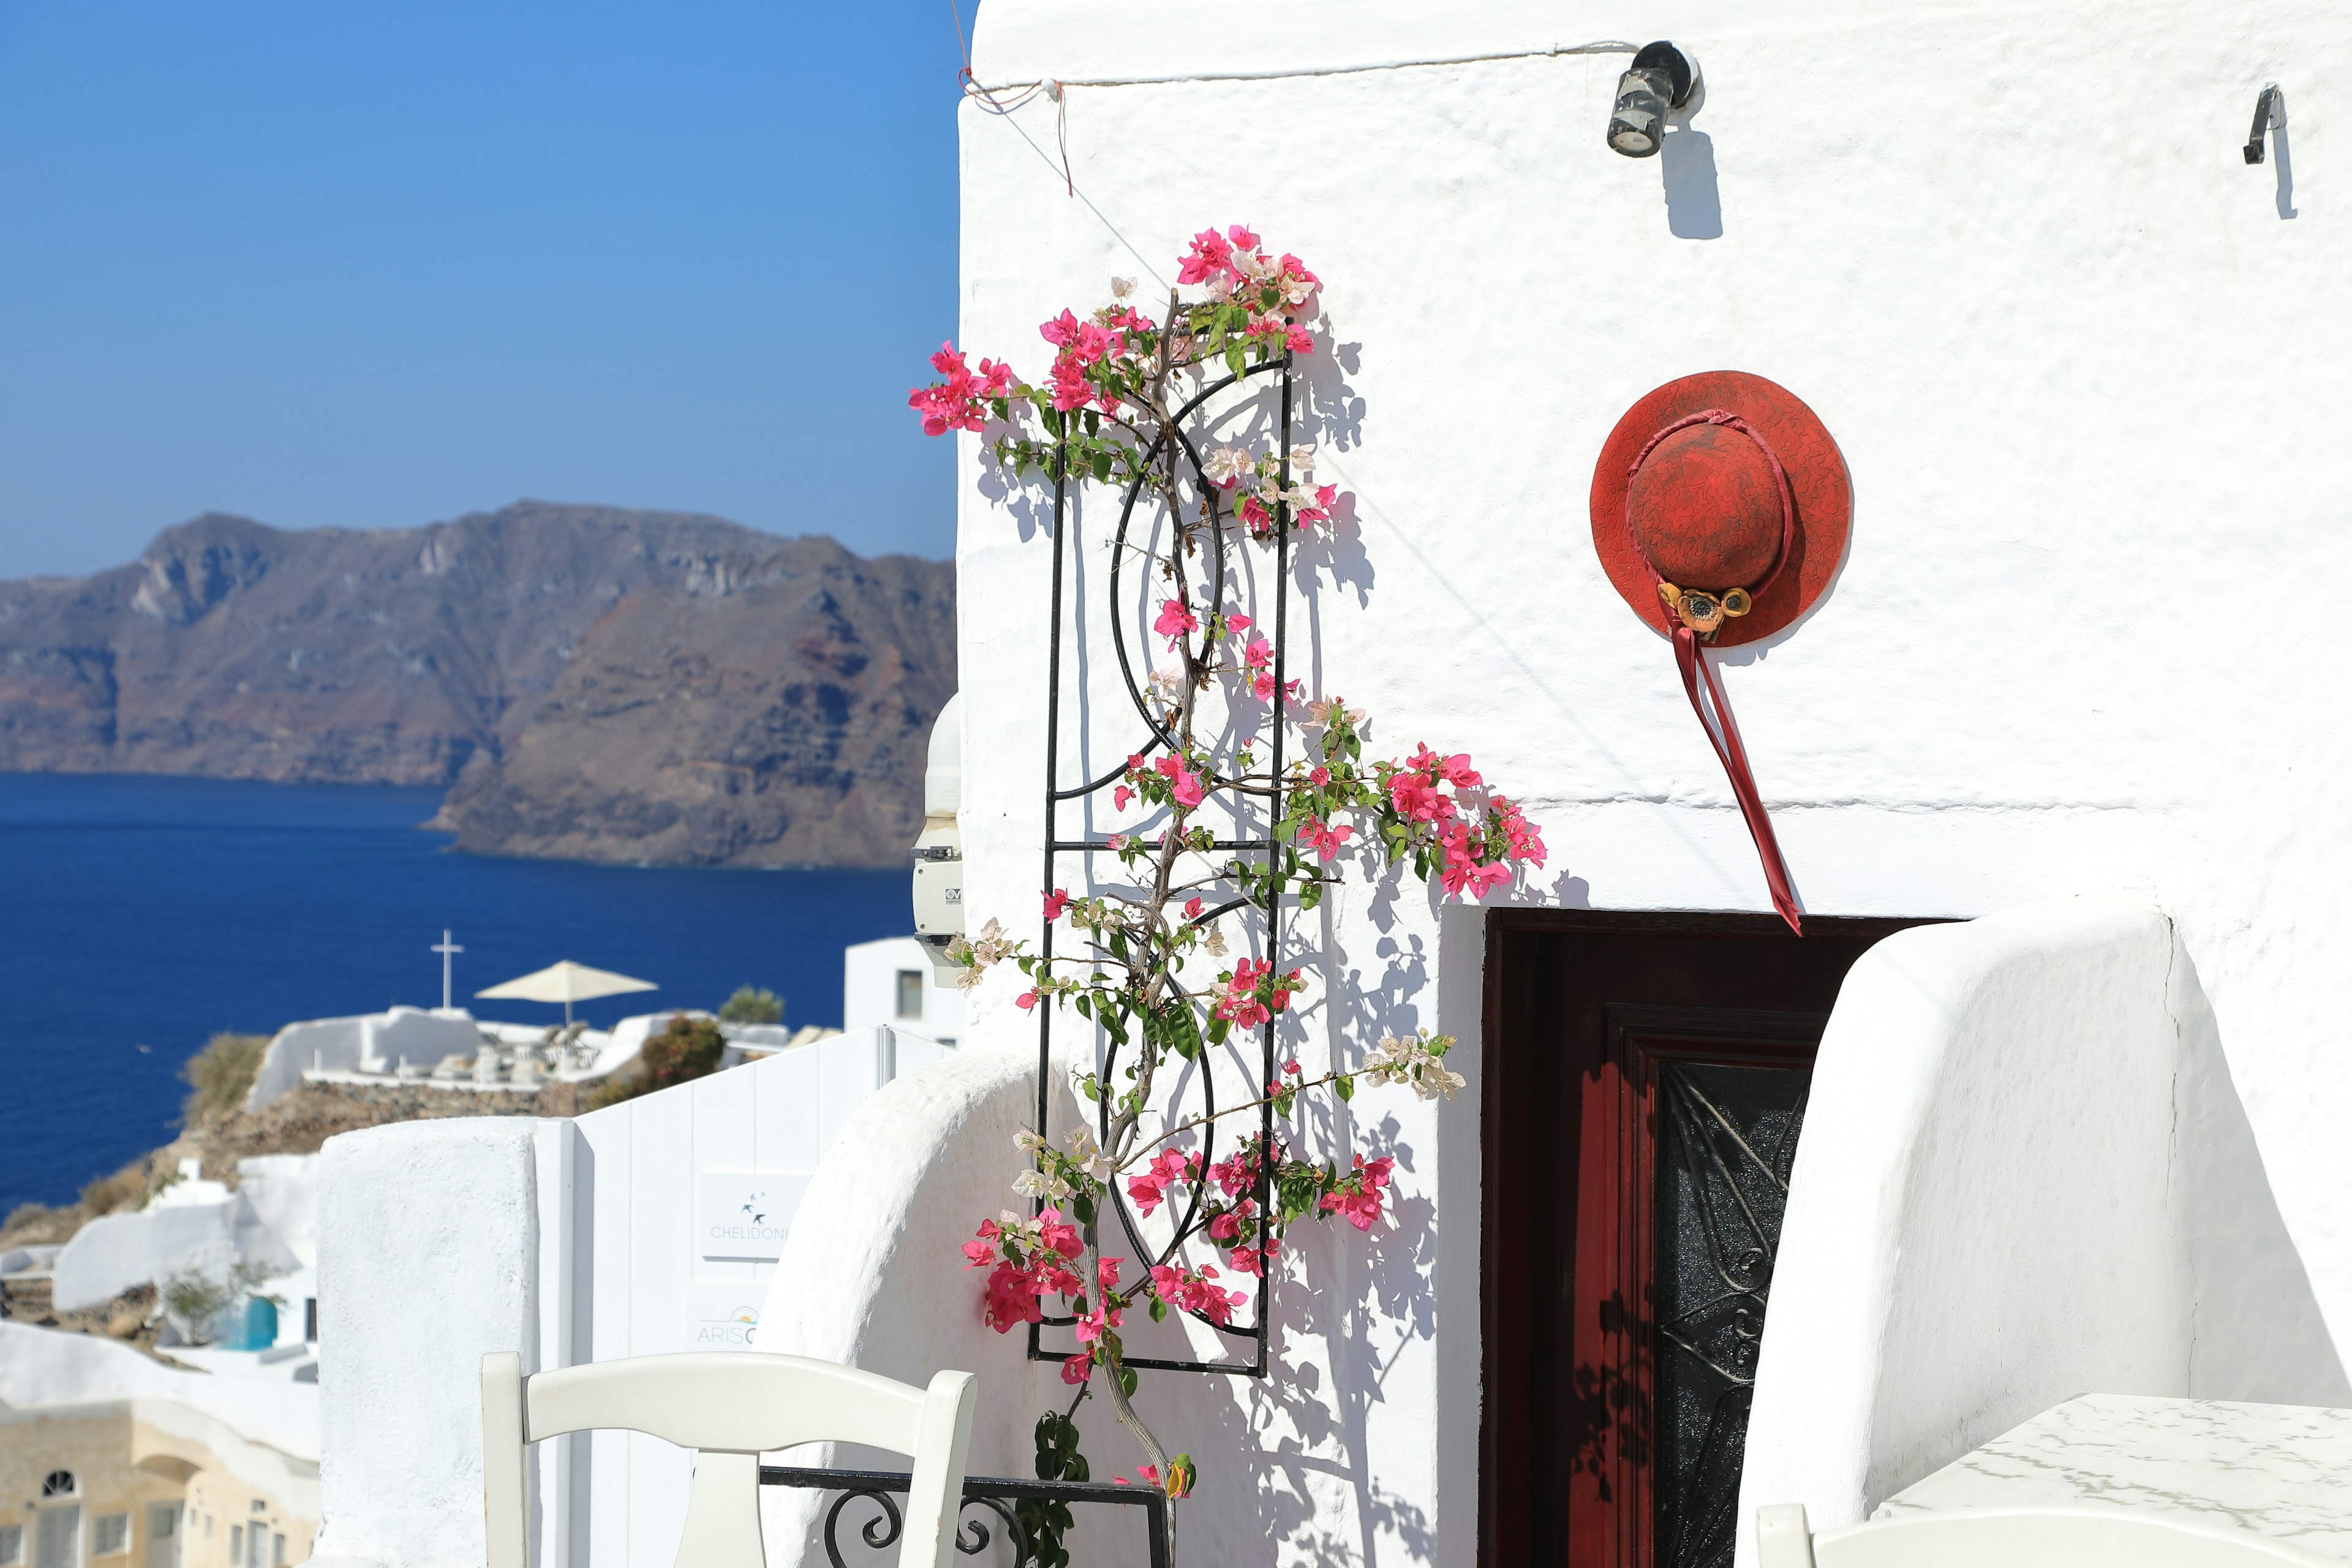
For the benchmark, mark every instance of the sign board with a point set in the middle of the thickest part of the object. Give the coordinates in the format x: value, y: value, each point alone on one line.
x: 747, y: 1214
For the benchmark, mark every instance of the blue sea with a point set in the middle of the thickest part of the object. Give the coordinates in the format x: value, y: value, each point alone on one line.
x: 139, y: 915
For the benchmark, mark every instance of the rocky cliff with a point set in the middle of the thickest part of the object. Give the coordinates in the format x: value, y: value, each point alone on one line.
x: 594, y: 683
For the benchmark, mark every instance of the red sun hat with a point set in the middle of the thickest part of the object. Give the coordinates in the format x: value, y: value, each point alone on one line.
x: 1724, y: 485
x: 1719, y: 512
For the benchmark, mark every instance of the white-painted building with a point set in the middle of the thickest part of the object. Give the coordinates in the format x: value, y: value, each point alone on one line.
x: 2046, y: 1101
x: 889, y: 983
x: 2082, y: 361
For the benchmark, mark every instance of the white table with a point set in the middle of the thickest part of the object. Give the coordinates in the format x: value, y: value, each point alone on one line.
x: 2279, y: 1470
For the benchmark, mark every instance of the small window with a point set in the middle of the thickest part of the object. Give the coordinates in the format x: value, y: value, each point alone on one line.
x: 163, y: 1520
x: 237, y: 1543
x: 260, y: 1506
x: 60, y: 1483
x: 109, y: 1535
x: 12, y: 1544
x: 910, y: 994
x: 208, y: 1527
x: 277, y: 1551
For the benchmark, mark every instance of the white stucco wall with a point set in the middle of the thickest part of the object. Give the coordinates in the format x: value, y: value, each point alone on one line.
x: 284, y: 1192
x: 428, y: 1260
x: 2018, y: 1182
x: 114, y: 1252
x: 2084, y: 375
x: 369, y: 1042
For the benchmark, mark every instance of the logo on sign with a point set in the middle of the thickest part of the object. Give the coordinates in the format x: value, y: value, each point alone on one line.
x: 747, y: 1214
x: 733, y: 1331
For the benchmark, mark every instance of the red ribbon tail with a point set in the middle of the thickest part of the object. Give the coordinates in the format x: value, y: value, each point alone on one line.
x: 1691, y: 660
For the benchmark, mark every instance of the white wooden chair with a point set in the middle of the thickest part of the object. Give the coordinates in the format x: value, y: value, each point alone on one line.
x: 730, y: 1406
x: 2067, y: 1535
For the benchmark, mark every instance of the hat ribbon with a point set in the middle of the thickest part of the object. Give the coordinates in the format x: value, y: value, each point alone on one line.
x: 1722, y: 732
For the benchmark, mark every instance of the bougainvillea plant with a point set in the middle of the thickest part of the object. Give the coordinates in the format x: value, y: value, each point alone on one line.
x: 1153, y: 967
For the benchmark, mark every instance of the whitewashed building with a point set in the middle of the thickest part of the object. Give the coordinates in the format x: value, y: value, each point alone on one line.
x: 889, y: 983
x: 2046, y: 1102
x: 2079, y: 359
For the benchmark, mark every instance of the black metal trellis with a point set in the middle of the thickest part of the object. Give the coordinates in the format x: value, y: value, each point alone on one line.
x: 1264, y: 843
x: 991, y: 1492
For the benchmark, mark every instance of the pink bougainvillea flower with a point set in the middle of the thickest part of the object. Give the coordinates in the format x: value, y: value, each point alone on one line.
x: 1092, y: 1326
x: 1357, y: 1198
x: 959, y: 402
x: 1183, y: 783
x: 1318, y: 775
x: 1240, y: 1003
x: 1025, y: 1000
x: 1078, y: 1368
x: 1210, y: 255
x: 1175, y: 620
x: 1120, y: 795
x: 1237, y: 624
x: 1055, y: 902
x: 1324, y: 838
x: 1192, y: 906
x: 1061, y: 330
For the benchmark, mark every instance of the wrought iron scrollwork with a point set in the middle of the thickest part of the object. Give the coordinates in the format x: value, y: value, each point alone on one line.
x: 1726, y: 1138
x: 994, y: 1494
x: 1220, y: 569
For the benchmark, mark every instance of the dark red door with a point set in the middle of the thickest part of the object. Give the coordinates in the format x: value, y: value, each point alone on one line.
x: 1646, y: 1080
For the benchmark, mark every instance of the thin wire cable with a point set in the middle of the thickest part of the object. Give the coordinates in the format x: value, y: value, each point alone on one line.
x: 991, y: 103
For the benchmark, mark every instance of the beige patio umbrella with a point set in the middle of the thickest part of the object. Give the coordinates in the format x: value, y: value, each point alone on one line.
x: 566, y: 983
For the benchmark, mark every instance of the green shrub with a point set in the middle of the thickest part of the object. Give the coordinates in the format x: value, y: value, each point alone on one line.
x: 753, y: 1005
x: 689, y: 1050
x: 221, y: 1075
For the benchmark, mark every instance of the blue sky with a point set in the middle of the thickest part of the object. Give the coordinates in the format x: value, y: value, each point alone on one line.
x: 374, y: 265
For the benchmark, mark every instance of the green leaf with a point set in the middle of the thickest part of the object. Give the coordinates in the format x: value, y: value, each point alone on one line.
x: 1344, y: 1085
x: 1159, y: 1310
x: 1102, y: 465
x: 1218, y: 1029
x: 1083, y: 1206
x: 1310, y: 895
x: 1127, y: 1380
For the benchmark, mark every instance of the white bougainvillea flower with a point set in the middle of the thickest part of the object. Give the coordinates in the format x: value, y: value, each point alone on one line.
x: 1086, y: 1155
x: 1120, y: 288
x: 1226, y: 465
x: 1302, y: 459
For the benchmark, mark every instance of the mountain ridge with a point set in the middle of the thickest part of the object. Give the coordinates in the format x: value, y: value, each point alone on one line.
x: 589, y: 682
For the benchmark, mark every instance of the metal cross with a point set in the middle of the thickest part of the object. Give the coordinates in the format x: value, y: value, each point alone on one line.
x: 444, y: 947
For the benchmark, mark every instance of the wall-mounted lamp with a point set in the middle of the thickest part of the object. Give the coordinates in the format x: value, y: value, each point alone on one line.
x: 1658, y: 82
x: 2270, y: 114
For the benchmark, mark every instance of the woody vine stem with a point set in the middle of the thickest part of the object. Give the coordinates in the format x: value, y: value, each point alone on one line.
x: 1109, y: 412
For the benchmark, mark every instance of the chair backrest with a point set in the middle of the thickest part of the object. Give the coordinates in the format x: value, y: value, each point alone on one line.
x: 731, y: 1406
x: 2063, y: 1535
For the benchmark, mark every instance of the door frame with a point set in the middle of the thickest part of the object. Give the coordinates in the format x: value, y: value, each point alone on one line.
x: 1504, y: 1447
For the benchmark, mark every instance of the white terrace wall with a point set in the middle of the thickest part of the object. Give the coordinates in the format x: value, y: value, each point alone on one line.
x: 568, y: 1241
x: 2084, y: 363
x: 2022, y: 1177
